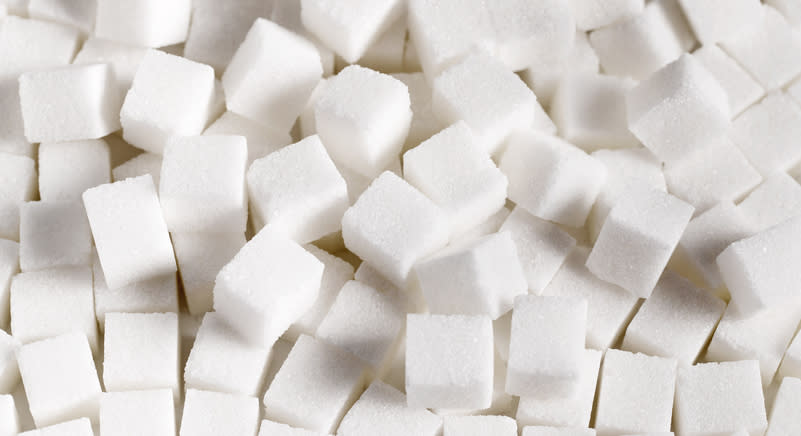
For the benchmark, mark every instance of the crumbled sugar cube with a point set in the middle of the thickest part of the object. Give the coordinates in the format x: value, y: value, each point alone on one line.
x: 145, y: 163
x: 134, y: 225
x: 774, y: 201
x: 52, y: 302
x: 719, y: 172
x: 262, y: 140
x: 366, y: 322
x: 763, y: 337
x: 786, y: 412
x: 791, y: 363
x: 141, y: 352
x: 449, y: 361
x: 69, y: 103
x: 67, y: 169
x: 719, y: 398
x: 678, y: 110
x: 546, y: 346
x: 386, y: 53
x: 271, y: 75
x: 480, y: 277
x: 200, y: 257
x: 370, y: 231
x: 54, y: 234
x: 336, y: 273
x: 635, y: 393
x: 147, y: 23
x: 710, y: 26
x: 458, y: 175
x: 270, y: 283
x: 593, y: 14
x: 382, y: 410
x: 753, y: 281
x: 771, y: 51
x: 223, y: 361
x: 271, y: 428
x: 551, y: 178
x: 534, y: 430
x: 213, y: 413
x: 12, y: 129
x: 76, y: 427
x: 29, y: 44
x: 9, y: 419
x: 122, y: 59
x: 17, y: 184
x: 766, y: 132
x: 148, y: 412
x: 60, y: 379
x: 169, y: 96
x: 9, y: 266
x: 9, y: 371
x: 571, y: 411
x: 677, y: 320
x: 315, y: 386
x: 708, y: 234
x: 424, y: 122
x: 609, y: 307
x: 740, y: 87
x: 638, y: 238
x: 491, y: 99
x: 574, y: 110
x: 363, y: 118
x: 479, y: 425
x: 80, y: 15
x: 625, y: 169
x: 298, y: 190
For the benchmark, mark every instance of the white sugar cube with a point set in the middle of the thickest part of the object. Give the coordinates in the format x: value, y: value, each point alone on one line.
x: 766, y: 131
x: 315, y: 386
x: 574, y: 110
x: 76, y: 427
x: 67, y: 169
x: 134, y: 225
x: 771, y: 51
x: 485, y: 228
x: 571, y: 411
x: 54, y: 234
x: 262, y: 140
x: 223, y: 361
x: 678, y: 110
x: 382, y: 410
x: 9, y: 266
x: 141, y: 352
x: 137, y: 412
x: 212, y: 413
x: 741, y: 88
x: 17, y: 184
x: 306, y: 120
x: 12, y: 129
x: 774, y: 201
x: 147, y: 23
x: 298, y: 190
x: 272, y: 428
x: 479, y: 425
x: 145, y: 163
x: 677, y: 320
x: 719, y: 398
x: 481, y: 277
x: 202, y: 184
x: 69, y: 103
x: 80, y: 15
x: 424, y: 123
x: 791, y: 363
x: 271, y: 75
x: 786, y: 411
x: 52, y: 302
x: 267, y: 286
x: 170, y: 96
x: 287, y: 13
x: 9, y: 419
x: 370, y: 232
x: 609, y: 307
x: 386, y: 53
x: 546, y: 346
x: 363, y: 118
x: 635, y: 393
x: 592, y: 14
x: 791, y: 9
x: 28, y: 45
x: 556, y: 431
x: 60, y: 379
x: 551, y: 178
x: 491, y: 99
x: 449, y: 361
x: 638, y: 238
x: 709, y: 26
x: 458, y: 175
x: 9, y: 371
x: 122, y: 59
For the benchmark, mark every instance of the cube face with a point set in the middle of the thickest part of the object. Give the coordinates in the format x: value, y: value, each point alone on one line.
x: 9, y: 424
x: 206, y: 413
x: 148, y: 412
x: 134, y: 225
x: 270, y: 428
x: 740, y: 87
x: 709, y: 27
x: 202, y: 186
x: 9, y: 266
x: 382, y: 409
x: 449, y: 361
x: 315, y: 386
x: 775, y: 200
x: 146, y: 24
x: 12, y: 129
x: 592, y: 14
x: 791, y: 363
x: 67, y: 169
x: 145, y: 163
x: 556, y: 431
x: 778, y: 114
x: 54, y: 234
x: 786, y: 407
x: 9, y: 370
x: 28, y: 45
x: 292, y: 63
x: 60, y: 379
x: 262, y: 140
x: 632, y: 382
x: 76, y: 427
x: 479, y: 425
x: 299, y: 190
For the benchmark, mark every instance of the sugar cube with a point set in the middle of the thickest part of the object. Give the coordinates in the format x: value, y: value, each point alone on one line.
x: 386, y: 53
x: 12, y: 129
x: 791, y: 363
x: 9, y: 371
x: 146, y: 23
x: 774, y: 201
x: 551, y: 178
x: 479, y: 425
x: 593, y: 14
x: 709, y: 26
x: 212, y: 413
x: 535, y: 430
x: 449, y: 361
x: 54, y: 234
x: 81, y: 15
x: 262, y: 140
x: 287, y: 13
x: 9, y: 266
x: 17, y: 184
x: 786, y: 411
x: 76, y: 427
x: 719, y: 398
x: 740, y: 87
x: 148, y: 412
x: 424, y: 122
x: 485, y: 228
x: 67, y: 169
x: 382, y: 410
x: 267, y: 286
x: 60, y: 379
x: 9, y: 419
x: 315, y: 386
x: 145, y: 163
x: 271, y: 75
x: 635, y: 393
x: 122, y: 59
x: 29, y: 45
x: 271, y: 428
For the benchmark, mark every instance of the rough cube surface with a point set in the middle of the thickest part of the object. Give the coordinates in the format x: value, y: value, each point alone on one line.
x: 211, y: 413
x: 382, y: 410
x: 76, y: 427
x: 67, y: 169
x: 710, y: 27
x: 137, y: 412
x: 479, y: 425
x: 54, y: 234
x: 740, y: 87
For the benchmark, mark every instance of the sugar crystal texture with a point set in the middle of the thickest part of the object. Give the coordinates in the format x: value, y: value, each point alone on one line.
x: 382, y: 410
x: 54, y: 234
x: 213, y: 413
x: 29, y: 45
x: 593, y: 14
x: 791, y: 363
x: 262, y: 140
x: 710, y: 26
x: 775, y: 200
x: 137, y: 412
x: 786, y: 411
x: 741, y: 88
x: 272, y: 428
x: 75, y: 427
x: 479, y: 425
x: 147, y: 23
x: 67, y: 169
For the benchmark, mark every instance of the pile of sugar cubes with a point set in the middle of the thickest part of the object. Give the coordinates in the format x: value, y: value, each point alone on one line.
x: 400, y: 217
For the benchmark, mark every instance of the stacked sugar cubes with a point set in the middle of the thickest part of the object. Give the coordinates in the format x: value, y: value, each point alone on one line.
x: 400, y: 217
